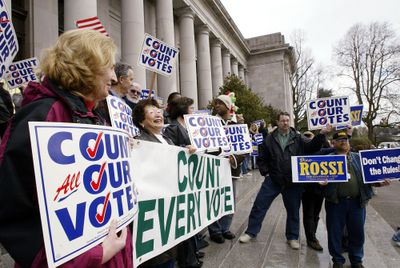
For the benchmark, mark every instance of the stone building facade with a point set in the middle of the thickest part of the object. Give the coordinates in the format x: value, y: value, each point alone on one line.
x: 210, y: 44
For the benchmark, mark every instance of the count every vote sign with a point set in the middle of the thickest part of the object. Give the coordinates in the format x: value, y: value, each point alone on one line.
x: 157, y: 56
x: 321, y: 168
x: 84, y: 180
x: 378, y: 165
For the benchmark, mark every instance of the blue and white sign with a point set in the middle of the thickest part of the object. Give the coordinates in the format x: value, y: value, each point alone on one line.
x: 331, y: 168
x: 157, y: 56
x: 145, y: 94
x: 355, y: 116
x: 255, y: 149
x: 121, y: 115
x: 206, y: 132
x: 334, y: 111
x: 258, y: 122
x: 84, y: 179
x: 239, y: 138
x: 21, y: 72
x: 8, y: 39
x: 378, y: 165
x: 258, y: 138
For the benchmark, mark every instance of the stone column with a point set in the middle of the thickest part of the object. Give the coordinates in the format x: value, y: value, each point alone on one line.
x: 44, y: 13
x: 235, y: 69
x: 216, y: 66
x: 204, y: 66
x: 132, y: 33
x: 226, y: 63
x: 241, y: 72
x: 150, y: 27
x: 166, y: 33
x: 76, y: 10
x: 246, y: 77
x: 188, y: 76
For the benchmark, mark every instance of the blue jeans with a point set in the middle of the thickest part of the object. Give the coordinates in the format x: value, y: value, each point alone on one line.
x: 223, y: 224
x: 347, y: 213
x: 396, y: 236
x: 245, y: 164
x: 291, y: 199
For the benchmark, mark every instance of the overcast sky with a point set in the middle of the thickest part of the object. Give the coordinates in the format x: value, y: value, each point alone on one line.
x: 324, y: 21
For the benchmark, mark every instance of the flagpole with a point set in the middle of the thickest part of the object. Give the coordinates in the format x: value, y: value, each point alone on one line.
x: 153, y: 80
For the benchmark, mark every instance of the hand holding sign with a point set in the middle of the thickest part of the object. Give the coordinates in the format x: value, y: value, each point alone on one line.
x: 326, y: 130
x: 113, y: 243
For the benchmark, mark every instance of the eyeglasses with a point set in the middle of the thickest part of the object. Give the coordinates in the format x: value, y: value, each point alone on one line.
x: 135, y: 92
x: 154, y: 111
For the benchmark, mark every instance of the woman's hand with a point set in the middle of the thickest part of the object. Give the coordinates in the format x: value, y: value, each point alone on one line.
x: 191, y: 149
x: 113, y: 243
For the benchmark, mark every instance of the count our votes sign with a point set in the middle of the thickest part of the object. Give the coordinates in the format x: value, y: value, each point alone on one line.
x: 239, y: 138
x: 334, y: 111
x: 21, y: 72
x: 121, y: 115
x: 378, y: 165
x: 331, y: 168
x: 206, y: 132
x: 175, y: 205
x: 84, y: 179
x: 8, y: 39
x: 157, y: 56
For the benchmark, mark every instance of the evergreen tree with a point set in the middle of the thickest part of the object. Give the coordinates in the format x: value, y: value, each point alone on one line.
x: 250, y: 104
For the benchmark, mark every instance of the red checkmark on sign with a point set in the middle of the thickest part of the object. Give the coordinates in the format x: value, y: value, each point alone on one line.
x: 100, y: 217
x: 92, y: 152
x: 96, y: 184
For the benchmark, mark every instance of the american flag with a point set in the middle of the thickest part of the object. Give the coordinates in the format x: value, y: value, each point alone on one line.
x: 91, y: 24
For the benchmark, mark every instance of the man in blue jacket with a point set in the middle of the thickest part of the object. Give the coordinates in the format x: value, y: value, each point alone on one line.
x: 345, y: 206
x: 275, y: 160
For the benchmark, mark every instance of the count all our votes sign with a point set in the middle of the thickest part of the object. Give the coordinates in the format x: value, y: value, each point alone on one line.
x: 157, y: 56
x: 334, y: 111
x: 206, y: 132
x: 378, y: 165
x: 8, y: 39
x: 121, y: 115
x: 21, y: 72
x: 84, y: 179
x: 331, y: 168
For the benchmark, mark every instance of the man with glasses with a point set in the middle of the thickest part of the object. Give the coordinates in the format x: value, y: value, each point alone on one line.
x: 133, y: 95
x: 120, y: 85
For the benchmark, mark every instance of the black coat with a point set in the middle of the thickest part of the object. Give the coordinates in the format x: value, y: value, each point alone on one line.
x: 276, y: 162
x: 177, y: 133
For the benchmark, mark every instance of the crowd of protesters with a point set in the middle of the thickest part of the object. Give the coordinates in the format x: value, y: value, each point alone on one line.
x: 74, y: 85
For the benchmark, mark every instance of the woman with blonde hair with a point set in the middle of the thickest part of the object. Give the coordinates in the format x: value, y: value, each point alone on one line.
x: 76, y: 74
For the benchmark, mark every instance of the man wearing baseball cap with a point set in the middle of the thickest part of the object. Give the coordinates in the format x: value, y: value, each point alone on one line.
x: 345, y: 206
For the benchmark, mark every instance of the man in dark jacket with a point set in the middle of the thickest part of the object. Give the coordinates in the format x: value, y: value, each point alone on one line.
x: 275, y: 159
x: 345, y: 206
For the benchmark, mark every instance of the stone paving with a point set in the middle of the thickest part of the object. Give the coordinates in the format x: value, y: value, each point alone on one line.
x: 269, y: 249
